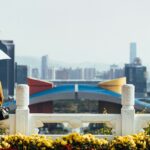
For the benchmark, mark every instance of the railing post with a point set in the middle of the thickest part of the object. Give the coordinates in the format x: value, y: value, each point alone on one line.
x: 12, y: 123
x: 127, y: 110
x: 22, y: 110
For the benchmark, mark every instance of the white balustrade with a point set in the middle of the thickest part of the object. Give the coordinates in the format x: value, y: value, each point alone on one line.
x: 141, y: 121
x: 125, y: 123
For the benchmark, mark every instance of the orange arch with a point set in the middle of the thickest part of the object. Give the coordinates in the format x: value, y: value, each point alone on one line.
x: 113, y: 85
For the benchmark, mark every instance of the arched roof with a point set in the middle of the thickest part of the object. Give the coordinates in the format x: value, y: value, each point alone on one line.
x: 109, y: 91
x: 82, y: 91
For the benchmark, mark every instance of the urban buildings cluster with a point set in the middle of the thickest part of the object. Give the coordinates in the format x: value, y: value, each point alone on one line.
x: 48, y: 73
x: 134, y: 71
x: 79, y: 73
x: 11, y: 72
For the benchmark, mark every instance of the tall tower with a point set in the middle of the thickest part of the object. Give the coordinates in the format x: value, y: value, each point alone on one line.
x: 44, y: 67
x: 7, y: 68
x: 133, y: 54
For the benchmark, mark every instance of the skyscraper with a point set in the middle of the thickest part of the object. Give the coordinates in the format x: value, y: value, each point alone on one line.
x: 35, y: 73
x: 21, y: 74
x: 7, y: 68
x: 136, y: 75
x: 133, y: 54
x: 44, y: 67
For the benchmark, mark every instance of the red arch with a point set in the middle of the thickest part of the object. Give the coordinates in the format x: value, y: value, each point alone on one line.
x: 37, y: 85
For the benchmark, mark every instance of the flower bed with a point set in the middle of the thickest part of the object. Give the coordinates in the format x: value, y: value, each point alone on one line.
x: 75, y: 141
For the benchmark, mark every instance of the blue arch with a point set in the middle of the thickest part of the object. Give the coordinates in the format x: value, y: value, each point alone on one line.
x: 80, y: 91
x: 66, y: 92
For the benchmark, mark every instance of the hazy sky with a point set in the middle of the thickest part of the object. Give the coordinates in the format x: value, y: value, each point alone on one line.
x: 77, y: 30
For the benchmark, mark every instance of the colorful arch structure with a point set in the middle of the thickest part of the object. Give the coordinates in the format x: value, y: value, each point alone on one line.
x: 108, y: 91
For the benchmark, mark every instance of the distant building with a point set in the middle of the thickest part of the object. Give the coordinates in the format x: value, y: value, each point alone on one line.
x: 44, y: 67
x: 50, y: 74
x: 22, y: 72
x: 133, y: 54
x: 136, y: 75
x: 53, y: 73
x: 89, y: 73
x: 35, y: 72
x: 115, y: 72
x: 7, y: 68
x: 29, y: 70
x: 75, y: 74
x: 62, y: 74
x: 104, y: 75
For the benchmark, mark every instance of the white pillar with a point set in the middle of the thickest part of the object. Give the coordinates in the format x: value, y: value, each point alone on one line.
x: 22, y: 110
x: 12, y: 123
x: 128, y: 111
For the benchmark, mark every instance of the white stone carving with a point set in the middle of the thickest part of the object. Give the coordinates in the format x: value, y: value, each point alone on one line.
x: 128, y: 95
x: 22, y: 96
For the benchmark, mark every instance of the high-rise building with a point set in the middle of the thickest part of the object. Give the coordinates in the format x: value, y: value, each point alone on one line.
x: 69, y: 73
x: 50, y: 74
x: 89, y: 73
x: 136, y: 75
x: 7, y: 68
x: 115, y: 72
x: 53, y: 73
x: 133, y: 54
x: 75, y: 74
x: 35, y: 72
x: 22, y: 72
x: 62, y: 74
x: 44, y: 67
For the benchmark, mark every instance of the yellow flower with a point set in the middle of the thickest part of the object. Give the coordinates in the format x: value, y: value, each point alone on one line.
x: 63, y: 142
x: 5, y: 144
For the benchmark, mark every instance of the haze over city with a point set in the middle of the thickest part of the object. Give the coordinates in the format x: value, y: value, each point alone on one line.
x: 77, y: 70
x: 77, y: 31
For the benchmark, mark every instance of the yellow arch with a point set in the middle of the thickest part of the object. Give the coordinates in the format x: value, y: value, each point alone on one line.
x: 113, y: 85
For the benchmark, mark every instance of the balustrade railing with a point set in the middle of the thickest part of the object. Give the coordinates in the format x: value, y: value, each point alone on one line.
x: 122, y: 124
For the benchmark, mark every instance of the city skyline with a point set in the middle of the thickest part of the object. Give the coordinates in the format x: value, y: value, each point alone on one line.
x: 77, y: 31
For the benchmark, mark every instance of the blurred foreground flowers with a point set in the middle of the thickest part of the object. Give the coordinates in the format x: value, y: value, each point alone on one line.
x: 75, y: 141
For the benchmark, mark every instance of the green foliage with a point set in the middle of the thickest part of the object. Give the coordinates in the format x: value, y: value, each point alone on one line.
x: 98, y: 128
x: 147, y: 130
x: 3, y: 131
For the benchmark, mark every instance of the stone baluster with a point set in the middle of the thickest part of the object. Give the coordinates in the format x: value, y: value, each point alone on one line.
x: 127, y: 110
x: 22, y: 110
